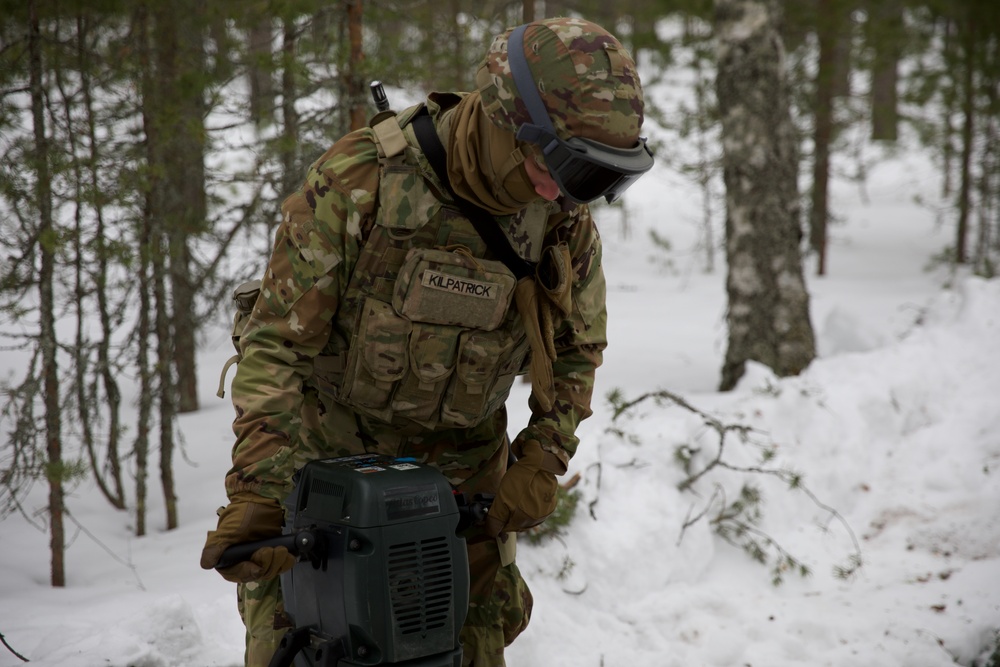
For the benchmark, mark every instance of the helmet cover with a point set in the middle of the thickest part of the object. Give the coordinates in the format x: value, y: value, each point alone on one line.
x: 588, y: 82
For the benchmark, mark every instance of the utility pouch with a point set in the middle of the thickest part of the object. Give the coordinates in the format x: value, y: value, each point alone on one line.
x: 453, y: 288
x: 244, y: 296
x: 478, y: 386
x: 378, y: 356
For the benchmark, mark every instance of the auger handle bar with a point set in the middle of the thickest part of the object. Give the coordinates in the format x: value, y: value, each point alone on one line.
x: 298, y: 544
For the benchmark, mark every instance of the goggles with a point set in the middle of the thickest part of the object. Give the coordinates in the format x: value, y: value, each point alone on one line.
x: 583, y: 169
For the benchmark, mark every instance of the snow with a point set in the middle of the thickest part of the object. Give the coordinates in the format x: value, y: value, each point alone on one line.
x: 896, y: 428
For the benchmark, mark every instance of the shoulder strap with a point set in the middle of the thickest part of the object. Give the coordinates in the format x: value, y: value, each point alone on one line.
x: 485, y: 224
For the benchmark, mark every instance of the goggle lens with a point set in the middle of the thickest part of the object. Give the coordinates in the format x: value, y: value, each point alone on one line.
x: 588, y: 181
x: 586, y: 170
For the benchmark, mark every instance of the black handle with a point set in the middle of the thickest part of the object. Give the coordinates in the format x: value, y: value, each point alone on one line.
x: 298, y: 544
x: 474, y: 512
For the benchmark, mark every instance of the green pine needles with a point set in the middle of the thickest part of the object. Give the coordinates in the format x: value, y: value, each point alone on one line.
x: 736, y: 520
x: 567, y: 499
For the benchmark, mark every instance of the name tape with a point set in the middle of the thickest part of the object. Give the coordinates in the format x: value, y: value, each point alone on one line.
x: 463, y: 286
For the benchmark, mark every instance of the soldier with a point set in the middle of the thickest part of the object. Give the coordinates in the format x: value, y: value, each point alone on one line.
x: 389, y: 321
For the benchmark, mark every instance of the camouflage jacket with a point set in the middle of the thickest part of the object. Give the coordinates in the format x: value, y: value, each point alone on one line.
x: 336, y: 311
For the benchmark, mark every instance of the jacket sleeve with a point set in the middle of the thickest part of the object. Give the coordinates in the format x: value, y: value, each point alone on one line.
x: 315, y: 250
x: 580, y: 339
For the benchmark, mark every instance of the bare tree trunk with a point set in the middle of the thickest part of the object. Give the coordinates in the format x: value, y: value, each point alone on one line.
x: 112, y: 488
x: 430, y: 45
x: 180, y: 204
x: 164, y: 353
x: 987, y: 248
x: 828, y: 28
x: 54, y: 468
x: 887, y: 35
x: 145, y: 233
x: 968, y: 38
x: 768, y: 313
x: 459, y: 70
x: 260, y: 70
x: 842, y: 49
x: 291, y: 177
x: 167, y: 228
x: 356, y: 90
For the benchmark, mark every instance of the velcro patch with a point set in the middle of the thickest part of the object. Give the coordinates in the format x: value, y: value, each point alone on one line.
x: 438, y: 286
x: 458, y: 285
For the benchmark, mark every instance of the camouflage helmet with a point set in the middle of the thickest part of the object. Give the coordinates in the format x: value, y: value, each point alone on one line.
x: 587, y: 81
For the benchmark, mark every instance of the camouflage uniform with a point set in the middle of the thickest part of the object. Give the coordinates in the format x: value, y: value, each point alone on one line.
x: 345, y: 352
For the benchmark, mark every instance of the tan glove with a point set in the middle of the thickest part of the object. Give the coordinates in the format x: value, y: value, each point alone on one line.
x: 248, y: 518
x: 527, y: 493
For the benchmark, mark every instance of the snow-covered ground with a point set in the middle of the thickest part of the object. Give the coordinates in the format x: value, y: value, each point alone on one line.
x: 895, y: 428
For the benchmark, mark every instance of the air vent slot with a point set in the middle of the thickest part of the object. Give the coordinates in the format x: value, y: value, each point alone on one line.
x: 326, y: 488
x: 420, y: 584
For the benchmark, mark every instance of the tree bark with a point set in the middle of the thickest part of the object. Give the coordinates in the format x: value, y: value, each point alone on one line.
x: 260, y: 71
x: 356, y: 90
x: 166, y: 381
x: 144, y: 231
x: 55, y: 468
x: 768, y: 312
x: 180, y: 204
x: 828, y: 28
x: 886, y: 34
x: 968, y: 39
x: 291, y: 176
x: 113, y: 489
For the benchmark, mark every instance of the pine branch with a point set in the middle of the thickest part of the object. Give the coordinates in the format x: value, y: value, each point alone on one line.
x: 735, y: 522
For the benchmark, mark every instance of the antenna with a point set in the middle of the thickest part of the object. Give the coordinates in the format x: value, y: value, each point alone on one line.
x: 378, y: 94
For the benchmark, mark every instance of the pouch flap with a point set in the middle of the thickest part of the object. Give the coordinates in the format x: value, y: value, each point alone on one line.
x: 433, y: 350
x: 413, y: 202
x: 444, y: 287
x: 479, y: 355
x: 385, y: 341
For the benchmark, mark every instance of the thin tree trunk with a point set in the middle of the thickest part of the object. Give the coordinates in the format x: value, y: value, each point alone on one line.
x: 165, y: 375
x: 181, y: 207
x: 146, y: 388
x: 887, y: 35
x: 989, y: 187
x: 768, y: 313
x: 356, y: 98
x: 842, y: 49
x: 113, y: 491
x: 828, y: 29
x: 458, y: 67
x: 55, y: 468
x: 167, y: 230
x: 145, y: 233
x: 290, y: 176
x: 949, y: 102
x: 260, y: 71
x: 968, y: 131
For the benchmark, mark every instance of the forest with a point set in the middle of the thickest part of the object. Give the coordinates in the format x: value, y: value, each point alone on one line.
x: 146, y: 147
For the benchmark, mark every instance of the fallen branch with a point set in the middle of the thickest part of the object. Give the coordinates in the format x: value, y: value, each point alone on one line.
x: 9, y: 648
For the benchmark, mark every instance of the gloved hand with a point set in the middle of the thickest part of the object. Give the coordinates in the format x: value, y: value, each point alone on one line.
x: 527, y: 493
x: 248, y: 518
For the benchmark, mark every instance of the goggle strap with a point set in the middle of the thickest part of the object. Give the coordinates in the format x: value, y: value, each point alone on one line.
x: 539, y: 136
x: 525, y: 83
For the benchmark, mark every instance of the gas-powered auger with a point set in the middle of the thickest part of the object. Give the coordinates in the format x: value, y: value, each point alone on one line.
x: 382, y: 577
